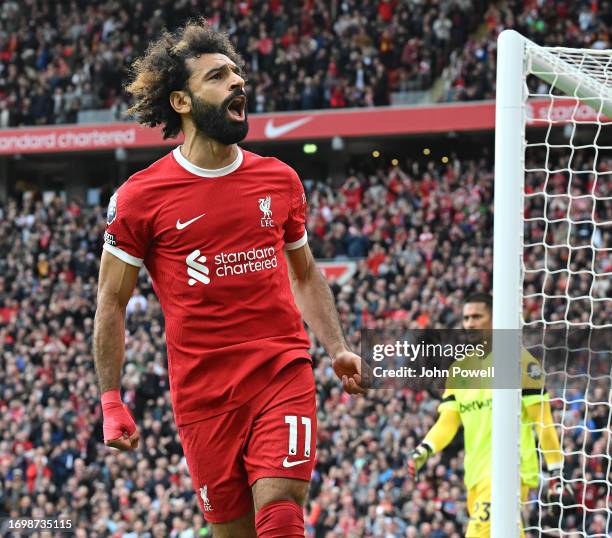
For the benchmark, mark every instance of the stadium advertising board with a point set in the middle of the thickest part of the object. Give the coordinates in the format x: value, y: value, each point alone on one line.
x: 381, y: 121
x: 339, y: 271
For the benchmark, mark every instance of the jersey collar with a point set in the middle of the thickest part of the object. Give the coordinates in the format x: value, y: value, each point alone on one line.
x: 203, y: 172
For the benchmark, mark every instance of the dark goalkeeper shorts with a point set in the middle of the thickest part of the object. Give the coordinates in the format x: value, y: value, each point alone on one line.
x: 273, y: 435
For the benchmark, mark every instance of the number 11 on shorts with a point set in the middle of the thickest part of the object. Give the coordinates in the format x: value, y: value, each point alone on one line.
x: 292, y: 420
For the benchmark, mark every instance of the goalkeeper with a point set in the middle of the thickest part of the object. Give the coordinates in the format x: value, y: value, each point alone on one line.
x: 472, y: 408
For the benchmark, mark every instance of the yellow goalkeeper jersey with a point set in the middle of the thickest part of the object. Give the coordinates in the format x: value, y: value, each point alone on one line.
x: 475, y: 409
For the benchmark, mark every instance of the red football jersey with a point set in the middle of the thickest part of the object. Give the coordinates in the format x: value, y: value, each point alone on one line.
x: 212, y: 242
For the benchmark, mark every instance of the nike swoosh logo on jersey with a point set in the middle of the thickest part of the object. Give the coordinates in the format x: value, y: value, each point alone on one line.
x: 180, y: 225
x: 287, y: 463
x: 273, y: 131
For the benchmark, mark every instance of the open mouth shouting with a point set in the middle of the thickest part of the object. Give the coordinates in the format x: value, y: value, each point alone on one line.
x: 236, y: 108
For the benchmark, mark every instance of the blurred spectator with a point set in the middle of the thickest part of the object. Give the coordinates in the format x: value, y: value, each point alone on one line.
x: 470, y: 74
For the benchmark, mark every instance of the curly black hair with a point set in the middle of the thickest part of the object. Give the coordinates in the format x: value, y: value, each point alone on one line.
x: 162, y: 70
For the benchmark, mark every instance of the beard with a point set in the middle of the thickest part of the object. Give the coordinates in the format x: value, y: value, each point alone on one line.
x: 213, y: 121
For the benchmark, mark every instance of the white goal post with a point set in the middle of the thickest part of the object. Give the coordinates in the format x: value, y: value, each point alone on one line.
x: 570, y: 77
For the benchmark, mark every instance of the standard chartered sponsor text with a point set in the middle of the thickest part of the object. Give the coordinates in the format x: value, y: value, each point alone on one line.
x: 67, y: 139
x: 246, y: 261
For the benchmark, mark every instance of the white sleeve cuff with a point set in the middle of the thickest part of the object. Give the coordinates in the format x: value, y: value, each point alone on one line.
x: 299, y: 243
x: 123, y: 256
x: 555, y: 466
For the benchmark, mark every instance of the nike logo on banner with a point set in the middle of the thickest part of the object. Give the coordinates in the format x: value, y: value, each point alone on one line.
x: 273, y: 131
x: 180, y: 225
x: 287, y: 463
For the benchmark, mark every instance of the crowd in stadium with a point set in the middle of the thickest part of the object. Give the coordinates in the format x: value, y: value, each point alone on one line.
x: 422, y: 232
x: 59, y: 58
x: 471, y: 69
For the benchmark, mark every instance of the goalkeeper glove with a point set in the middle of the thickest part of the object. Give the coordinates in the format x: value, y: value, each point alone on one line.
x: 118, y: 425
x: 558, y: 492
x: 417, y: 458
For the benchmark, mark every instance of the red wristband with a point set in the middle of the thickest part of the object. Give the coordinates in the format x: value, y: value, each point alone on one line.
x: 112, y: 396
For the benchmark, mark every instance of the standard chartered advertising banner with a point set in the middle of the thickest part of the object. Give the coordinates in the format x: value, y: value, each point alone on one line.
x: 300, y: 125
x: 56, y: 140
x: 462, y: 359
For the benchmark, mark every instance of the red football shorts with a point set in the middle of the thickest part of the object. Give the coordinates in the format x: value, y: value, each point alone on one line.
x: 273, y: 435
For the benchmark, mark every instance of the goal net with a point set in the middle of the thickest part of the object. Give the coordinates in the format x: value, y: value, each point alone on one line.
x: 556, y: 118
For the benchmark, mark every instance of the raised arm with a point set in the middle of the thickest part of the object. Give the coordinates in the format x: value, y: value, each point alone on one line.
x: 116, y: 283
